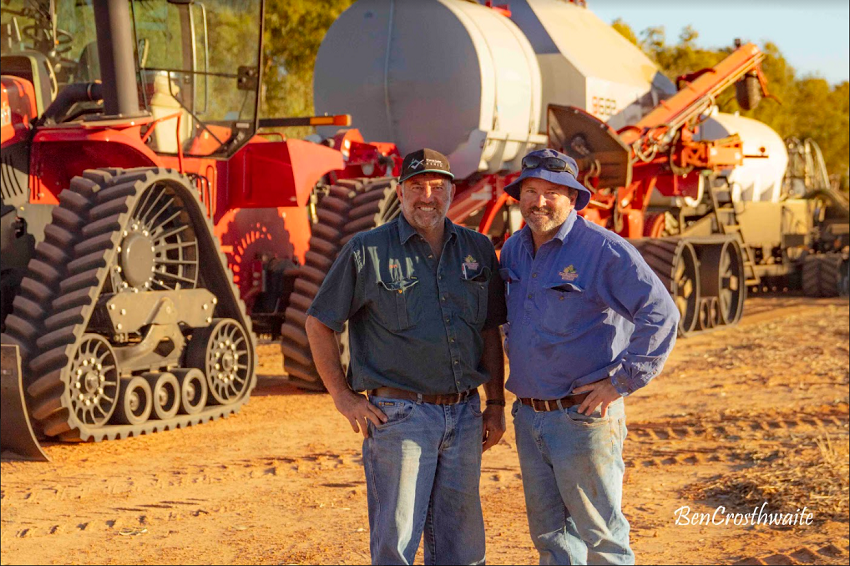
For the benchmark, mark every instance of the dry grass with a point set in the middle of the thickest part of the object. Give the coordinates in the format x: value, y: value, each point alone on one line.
x: 813, y: 474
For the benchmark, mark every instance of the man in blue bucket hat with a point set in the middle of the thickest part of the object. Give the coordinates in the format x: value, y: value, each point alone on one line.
x: 588, y: 324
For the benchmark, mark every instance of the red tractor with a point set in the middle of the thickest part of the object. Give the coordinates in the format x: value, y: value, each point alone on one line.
x: 146, y: 218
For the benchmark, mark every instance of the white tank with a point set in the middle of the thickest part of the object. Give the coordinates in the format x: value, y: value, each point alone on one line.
x: 765, y: 156
x: 586, y: 63
x: 446, y: 74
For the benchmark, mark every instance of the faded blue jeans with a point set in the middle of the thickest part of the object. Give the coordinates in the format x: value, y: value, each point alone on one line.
x: 572, y: 475
x: 422, y: 473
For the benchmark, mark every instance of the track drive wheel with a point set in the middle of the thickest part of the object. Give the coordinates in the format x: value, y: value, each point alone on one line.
x: 349, y: 207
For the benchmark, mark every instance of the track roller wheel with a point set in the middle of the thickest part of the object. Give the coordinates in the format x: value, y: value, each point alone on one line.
x: 135, y: 401
x: 94, y: 381
x: 709, y: 314
x: 193, y: 390
x: 165, y: 391
x: 222, y: 351
x: 349, y: 207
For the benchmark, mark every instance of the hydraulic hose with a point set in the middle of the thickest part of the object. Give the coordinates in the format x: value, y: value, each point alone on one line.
x: 70, y: 95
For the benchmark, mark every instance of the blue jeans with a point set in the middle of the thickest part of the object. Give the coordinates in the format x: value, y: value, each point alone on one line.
x: 572, y: 475
x: 422, y: 473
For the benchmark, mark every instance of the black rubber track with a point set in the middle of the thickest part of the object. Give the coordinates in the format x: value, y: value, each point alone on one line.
x: 65, y: 278
x: 822, y: 275
x: 349, y: 207
x: 662, y: 255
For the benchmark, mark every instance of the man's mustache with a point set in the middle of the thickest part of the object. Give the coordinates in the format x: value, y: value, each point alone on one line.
x: 544, y: 210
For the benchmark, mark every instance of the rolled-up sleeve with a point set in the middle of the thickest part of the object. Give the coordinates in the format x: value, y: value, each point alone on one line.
x: 630, y: 287
x: 341, y: 293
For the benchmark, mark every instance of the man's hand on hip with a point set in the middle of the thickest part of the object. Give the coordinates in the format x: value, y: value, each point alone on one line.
x: 359, y: 411
x: 494, y: 426
x: 599, y: 393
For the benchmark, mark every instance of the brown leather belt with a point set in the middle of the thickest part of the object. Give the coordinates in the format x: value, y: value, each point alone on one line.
x: 542, y: 405
x: 448, y: 399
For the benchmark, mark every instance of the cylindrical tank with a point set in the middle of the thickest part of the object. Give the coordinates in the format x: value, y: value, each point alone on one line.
x: 586, y: 63
x: 451, y: 75
x: 759, y: 179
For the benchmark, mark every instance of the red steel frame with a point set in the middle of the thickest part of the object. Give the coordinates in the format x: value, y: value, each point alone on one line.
x: 257, y: 199
x: 669, y: 128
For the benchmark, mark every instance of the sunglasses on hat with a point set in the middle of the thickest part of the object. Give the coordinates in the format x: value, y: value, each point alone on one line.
x: 554, y: 164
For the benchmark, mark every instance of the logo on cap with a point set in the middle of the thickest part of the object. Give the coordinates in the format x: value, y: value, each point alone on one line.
x: 416, y: 163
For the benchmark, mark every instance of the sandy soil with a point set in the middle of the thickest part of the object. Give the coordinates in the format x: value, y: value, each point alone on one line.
x: 750, y: 414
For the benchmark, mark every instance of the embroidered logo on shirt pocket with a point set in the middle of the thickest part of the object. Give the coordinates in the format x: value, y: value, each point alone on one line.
x: 393, y: 303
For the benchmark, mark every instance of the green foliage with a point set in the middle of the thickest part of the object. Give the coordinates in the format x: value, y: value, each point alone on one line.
x: 623, y: 28
x: 294, y: 31
x: 810, y: 107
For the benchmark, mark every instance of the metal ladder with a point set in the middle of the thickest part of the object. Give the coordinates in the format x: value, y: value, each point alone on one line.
x: 727, y: 206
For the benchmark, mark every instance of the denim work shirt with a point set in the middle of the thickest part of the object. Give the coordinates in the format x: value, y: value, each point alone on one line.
x: 584, y: 308
x: 414, y: 323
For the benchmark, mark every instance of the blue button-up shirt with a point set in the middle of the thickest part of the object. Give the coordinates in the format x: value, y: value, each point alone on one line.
x: 415, y: 321
x: 585, y: 307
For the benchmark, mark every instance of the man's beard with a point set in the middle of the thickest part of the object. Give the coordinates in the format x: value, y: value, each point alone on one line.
x: 428, y: 220
x: 544, y: 224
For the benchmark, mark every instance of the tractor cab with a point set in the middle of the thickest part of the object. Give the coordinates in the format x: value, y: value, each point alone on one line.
x: 196, y: 66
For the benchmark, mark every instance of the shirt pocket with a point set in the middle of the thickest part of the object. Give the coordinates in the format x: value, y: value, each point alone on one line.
x: 513, y: 294
x: 474, y: 299
x: 393, y: 303
x: 562, y: 304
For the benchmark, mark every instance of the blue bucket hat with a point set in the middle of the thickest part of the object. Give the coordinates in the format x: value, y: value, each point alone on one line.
x: 564, y: 178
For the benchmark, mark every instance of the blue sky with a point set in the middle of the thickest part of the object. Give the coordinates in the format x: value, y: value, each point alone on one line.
x: 813, y: 35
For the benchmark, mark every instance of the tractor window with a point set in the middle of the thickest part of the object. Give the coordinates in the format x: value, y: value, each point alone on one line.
x: 196, y: 61
x: 68, y: 41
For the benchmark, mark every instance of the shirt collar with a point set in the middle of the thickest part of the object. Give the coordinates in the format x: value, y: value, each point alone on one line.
x: 406, y: 231
x: 561, y: 235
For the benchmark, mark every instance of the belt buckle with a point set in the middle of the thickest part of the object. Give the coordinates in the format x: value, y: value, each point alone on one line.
x: 534, y: 406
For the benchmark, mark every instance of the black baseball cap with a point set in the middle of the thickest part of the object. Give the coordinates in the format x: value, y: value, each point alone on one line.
x: 425, y: 161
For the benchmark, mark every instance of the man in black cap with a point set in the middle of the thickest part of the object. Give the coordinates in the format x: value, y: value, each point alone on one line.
x: 424, y: 302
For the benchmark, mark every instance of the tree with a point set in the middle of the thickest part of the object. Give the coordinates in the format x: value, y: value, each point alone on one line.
x: 806, y: 107
x: 625, y: 30
x: 293, y: 34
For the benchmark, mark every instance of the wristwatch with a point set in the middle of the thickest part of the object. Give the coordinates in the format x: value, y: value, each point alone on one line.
x: 499, y: 402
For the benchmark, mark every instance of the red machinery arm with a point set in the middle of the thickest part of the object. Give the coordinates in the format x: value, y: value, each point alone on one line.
x: 659, y: 127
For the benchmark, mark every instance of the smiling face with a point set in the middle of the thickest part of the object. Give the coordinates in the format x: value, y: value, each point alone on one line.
x: 425, y: 200
x: 545, y: 206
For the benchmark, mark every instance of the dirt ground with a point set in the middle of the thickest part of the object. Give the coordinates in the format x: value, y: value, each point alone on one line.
x: 756, y: 413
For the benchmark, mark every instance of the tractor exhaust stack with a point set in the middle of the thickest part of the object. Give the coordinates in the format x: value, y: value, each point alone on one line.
x: 116, y: 51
